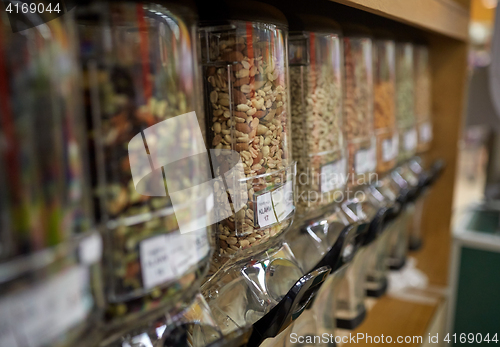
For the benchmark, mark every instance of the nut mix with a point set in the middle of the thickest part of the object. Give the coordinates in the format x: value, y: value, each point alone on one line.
x: 358, y: 108
x: 422, y: 97
x: 45, y: 195
x: 316, y: 98
x: 384, y: 112
x: 405, y: 115
x: 148, y: 77
x: 247, y: 110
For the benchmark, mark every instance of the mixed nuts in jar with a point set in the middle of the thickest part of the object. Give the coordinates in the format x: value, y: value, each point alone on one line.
x: 45, y: 196
x: 358, y: 105
x: 405, y: 112
x: 315, y: 58
x: 384, y: 113
x: 245, y: 71
x: 150, y: 159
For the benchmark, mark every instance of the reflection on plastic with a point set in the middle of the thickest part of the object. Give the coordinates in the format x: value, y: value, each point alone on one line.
x: 161, y: 159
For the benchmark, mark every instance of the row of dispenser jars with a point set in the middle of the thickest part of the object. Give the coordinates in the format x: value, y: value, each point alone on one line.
x: 145, y: 144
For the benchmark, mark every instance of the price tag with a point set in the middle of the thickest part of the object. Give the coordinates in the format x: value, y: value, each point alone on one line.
x: 361, y: 159
x: 90, y: 249
x: 410, y: 140
x: 155, y: 261
x: 44, y: 313
x: 265, y: 211
x: 387, y: 150
x: 332, y: 175
x: 166, y: 257
x: 425, y: 132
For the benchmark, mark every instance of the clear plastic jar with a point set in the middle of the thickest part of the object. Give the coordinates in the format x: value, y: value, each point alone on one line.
x: 186, y: 324
x: 53, y: 297
x: 384, y: 113
x: 405, y: 111
x: 315, y: 56
x: 241, y: 294
x: 245, y: 66
x: 358, y: 104
x: 45, y: 197
x: 316, y: 237
x: 146, y: 129
x: 422, y: 97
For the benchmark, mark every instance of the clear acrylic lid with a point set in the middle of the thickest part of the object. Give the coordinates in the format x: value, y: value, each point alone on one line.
x: 245, y: 71
x: 187, y: 324
x: 267, y: 291
x: 240, y: 294
x: 316, y: 74
x: 312, y: 240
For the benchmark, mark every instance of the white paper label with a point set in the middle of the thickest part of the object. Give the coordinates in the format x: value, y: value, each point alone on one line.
x: 166, y: 257
x: 333, y: 175
x: 155, y: 264
x: 387, y: 150
x: 425, y: 132
x: 410, y: 140
x: 360, y: 160
x: 42, y: 314
x: 91, y: 249
x: 265, y: 211
x: 365, y: 161
x: 283, y: 201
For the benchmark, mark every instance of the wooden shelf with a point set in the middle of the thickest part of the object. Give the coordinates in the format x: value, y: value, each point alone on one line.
x: 399, y: 317
x: 447, y: 17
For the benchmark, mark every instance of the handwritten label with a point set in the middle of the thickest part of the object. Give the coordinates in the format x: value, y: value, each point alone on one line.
x: 365, y: 161
x: 167, y: 257
x: 43, y: 313
x: 155, y: 261
x: 410, y: 140
x: 265, y: 211
x: 90, y: 249
x: 425, y: 132
x: 332, y: 175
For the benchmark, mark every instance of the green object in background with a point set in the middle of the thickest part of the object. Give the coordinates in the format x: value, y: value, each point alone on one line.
x: 485, y: 221
x: 477, y: 307
x: 475, y: 301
